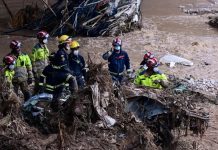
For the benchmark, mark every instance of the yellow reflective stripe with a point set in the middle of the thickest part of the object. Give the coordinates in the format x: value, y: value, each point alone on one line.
x: 56, y: 86
x: 68, y: 77
x: 41, y: 84
x: 114, y: 73
x: 50, y: 86
x: 43, y: 75
x: 49, y: 89
x: 57, y: 67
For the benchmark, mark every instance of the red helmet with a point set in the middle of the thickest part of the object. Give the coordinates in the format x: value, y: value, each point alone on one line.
x: 42, y: 35
x: 8, y: 60
x: 148, y: 55
x: 15, y: 45
x: 117, y: 42
x: 151, y: 63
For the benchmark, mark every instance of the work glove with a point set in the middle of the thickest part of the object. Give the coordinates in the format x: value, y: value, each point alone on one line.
x: 129, y: 71
x: 144, y: 67
x: 157, y: 81
x: 86, y: 69
x: 156, y: 70
x: 30, y: 80
x: 110, y: 51
x: 107, y: 54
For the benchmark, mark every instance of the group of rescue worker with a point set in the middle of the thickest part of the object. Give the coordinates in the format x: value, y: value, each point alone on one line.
x: 66, y: 68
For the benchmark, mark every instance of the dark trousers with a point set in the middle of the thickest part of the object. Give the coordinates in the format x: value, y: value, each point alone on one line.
x: 116, y: 78
x: 24, y: 89
x: 80, y: 81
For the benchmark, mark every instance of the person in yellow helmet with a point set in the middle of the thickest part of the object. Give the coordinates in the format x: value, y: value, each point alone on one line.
x: 77, y: 64
x: 39, y: 56
x: 23, y: 70
x: 61, y: 55
x: 150, y: 76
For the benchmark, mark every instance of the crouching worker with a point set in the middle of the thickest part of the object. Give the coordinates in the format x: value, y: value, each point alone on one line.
x: 150, y: 76
x: 54, y: 80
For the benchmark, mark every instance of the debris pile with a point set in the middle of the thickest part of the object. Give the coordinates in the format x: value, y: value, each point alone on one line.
x: 97, y: 118
x: 25, y: 16
x: 89, y: 17
x: 213, y: 21
x: 201, y: 8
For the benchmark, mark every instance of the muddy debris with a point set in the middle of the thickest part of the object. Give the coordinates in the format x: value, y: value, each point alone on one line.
x: 83, y: 17
x: 142, y: 121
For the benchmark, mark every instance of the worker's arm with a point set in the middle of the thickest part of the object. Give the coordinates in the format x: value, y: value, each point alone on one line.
x: 127, y: 62
x: 106, y: 55
x: 84, y: 67
x: 42, y: 80
x: 73, y: 83
x: 29, y: 69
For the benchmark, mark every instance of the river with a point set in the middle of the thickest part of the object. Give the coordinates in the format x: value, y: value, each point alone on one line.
x: 169, y: 17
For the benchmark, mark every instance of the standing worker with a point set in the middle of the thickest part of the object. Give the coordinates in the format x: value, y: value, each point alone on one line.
x: 77, y: 64
x: 39, y: 56
x: 63, y: 51
x: 9, y: 65
x: 23, y: 70
x: 53, y: 80
x: 118, y: 60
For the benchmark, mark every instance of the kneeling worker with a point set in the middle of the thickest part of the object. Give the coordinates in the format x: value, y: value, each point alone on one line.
x: 150, y: 76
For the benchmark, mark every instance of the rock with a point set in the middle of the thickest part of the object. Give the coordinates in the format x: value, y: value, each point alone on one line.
x: 195, y: 43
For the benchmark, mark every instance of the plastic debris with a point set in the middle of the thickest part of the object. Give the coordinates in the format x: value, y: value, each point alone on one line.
x: 173, y: 59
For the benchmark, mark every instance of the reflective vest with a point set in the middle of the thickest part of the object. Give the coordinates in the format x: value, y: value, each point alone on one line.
x: 9, y: 74
x: 23, y: 60
x: 23, y: 67
x: 149, y: 80
x: 54, y: 79
x: 39, y: 53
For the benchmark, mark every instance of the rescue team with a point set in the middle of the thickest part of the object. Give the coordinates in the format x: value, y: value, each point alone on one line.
x: 52, y: 73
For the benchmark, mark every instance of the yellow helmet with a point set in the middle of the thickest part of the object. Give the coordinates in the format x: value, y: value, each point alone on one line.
x: 64, y: 39
x: 74, y: 45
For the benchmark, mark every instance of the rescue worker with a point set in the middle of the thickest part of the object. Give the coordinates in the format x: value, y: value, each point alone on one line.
x: 150, y: 77
x: 9, y: 65
x: 53, y: 80
x: 63, y: 51
x: 77, y: 64
x: 148, y: 55
x: 118, y: 60
x: 39, y: 56
x: 23, y: 70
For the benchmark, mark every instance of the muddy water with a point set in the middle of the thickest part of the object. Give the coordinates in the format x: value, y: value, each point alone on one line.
x: 169, y: 17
